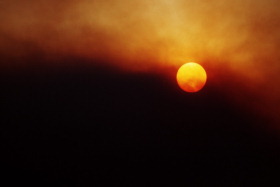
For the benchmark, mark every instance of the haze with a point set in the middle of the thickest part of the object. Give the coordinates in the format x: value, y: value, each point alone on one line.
x: 236, y: 41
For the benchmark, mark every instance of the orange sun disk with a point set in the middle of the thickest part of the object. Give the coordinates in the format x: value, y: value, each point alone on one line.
x: 191, y: 77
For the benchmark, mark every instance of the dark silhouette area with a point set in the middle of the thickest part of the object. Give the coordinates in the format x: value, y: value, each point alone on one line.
x: 95, y: 126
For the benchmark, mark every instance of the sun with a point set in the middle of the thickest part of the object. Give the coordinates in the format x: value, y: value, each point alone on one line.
x: 191, y: 77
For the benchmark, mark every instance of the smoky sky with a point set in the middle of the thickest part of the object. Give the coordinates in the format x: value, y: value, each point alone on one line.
x: 236, y: 41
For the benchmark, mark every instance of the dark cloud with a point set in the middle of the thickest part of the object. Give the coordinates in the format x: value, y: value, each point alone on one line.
x: 238, y: 37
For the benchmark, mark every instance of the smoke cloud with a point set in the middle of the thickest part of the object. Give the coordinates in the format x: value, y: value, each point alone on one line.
x: 236, y: 41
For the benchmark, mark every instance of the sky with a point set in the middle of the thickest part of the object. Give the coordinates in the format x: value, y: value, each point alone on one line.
x: 240, y: 38
x: 74, y: 70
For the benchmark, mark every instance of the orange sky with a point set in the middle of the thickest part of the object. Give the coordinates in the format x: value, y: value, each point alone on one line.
x: 236, y: 41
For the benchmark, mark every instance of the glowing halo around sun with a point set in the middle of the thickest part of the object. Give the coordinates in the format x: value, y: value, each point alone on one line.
x: 191, y: 77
